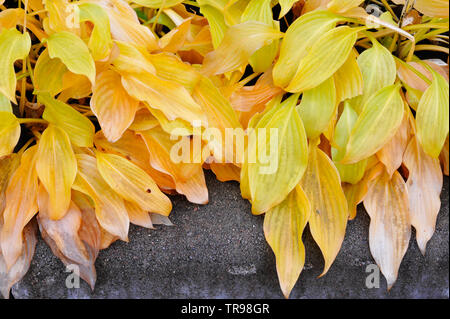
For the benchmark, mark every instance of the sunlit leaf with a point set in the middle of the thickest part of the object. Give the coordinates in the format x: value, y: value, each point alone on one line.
x: 329, y: 211
x: 378, y: 70
x: 112, y: 105
x: 48, y: 74
x: 283, y: 228
x: 77, y: 126
x: 231, y: 55
x: 391, y: 155
x: 57, y: 168
x: 348, y: 79
x: 299, y: 38
x: 261, y: 10
x: 13, y: 46
x: 73, y: 52
x: 100, y: 42
x: 341, y: 6
x: 20, y: 207
x: 432, y: 116
x: 376, y: 125
x: 9, y: 132
x: 132, y: 183
x: 280, y: 134
x: 324, y: 58
x: 109, y: 207
x: 188, y: 176
x: 317, y: 108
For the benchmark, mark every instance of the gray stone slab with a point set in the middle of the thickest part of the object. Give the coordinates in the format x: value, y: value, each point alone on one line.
x: 219, y: 251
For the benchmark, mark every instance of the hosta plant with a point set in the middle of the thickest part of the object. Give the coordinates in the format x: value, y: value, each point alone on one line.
x: 108, y: 107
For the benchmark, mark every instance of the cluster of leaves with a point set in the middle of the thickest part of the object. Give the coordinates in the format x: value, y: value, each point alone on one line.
x: 93, y: 89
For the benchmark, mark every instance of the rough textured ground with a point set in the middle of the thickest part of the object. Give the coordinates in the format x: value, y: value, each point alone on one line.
x: 219, y: 251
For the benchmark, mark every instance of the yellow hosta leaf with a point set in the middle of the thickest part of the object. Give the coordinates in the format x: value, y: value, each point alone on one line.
x: 286, y: 5
x: 125, y: 25
x: 299, y: 38
x: 391, y: 155
x: 17, y: 271
x: 220, y: 116
x: 112, y: 105
x: 226, y: 172
x: 378, y: 70
x: 348, y: 79
x: 48, y: 74
x: 73, y: 52
x: 432, y: 8
x: 376, y: 125
x: 158, y: 4
x: 174, y: 40
x: 216, y: 22
x: 284, y: 138
x: 170, y: 67
x: 77, y: 126
x: 8, y: 165
x: 9, y: 132
x: 188, y: 177
x: 167, y: 96
x: 57, y: 168
x: 324, y: 58
x: 231, y: 54
x: 131, y: 60
x: 109, y: 207
x: 13, y: 46
x: 261, y: 10
x: 341, y: 6
x: 132, y: 147
x: 329, y: 212
x: 424, y: 189
x: 390, y: 228
x: 432, y: 116
x: 283, y: 228
x: 317, y: 108
x: 5, y: 104
x: 62, y: 16
x: 138, y: 216
x: 132, y: 183
x: 20, y: 207
x: 100, y: 42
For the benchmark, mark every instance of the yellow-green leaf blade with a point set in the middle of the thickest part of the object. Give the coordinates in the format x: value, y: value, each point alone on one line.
x: 432, y: 116
x: 73, y: 52
x: 283, y: 229
x: 57, y: 168
x: 376, y: 125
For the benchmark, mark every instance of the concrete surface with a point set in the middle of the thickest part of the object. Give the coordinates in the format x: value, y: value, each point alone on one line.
x: 219, y: 251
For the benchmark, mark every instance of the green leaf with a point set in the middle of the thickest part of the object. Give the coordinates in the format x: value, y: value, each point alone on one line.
x: 100, y: 42
x: 299, y: 38
x: 284, y: 138
x: 432, y: 116
x: 376, y: 125
x: 13, y: 46
x: 77, y: 126
x: 324, y: 58
x: 73, y: 52
x: 318, y: 107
